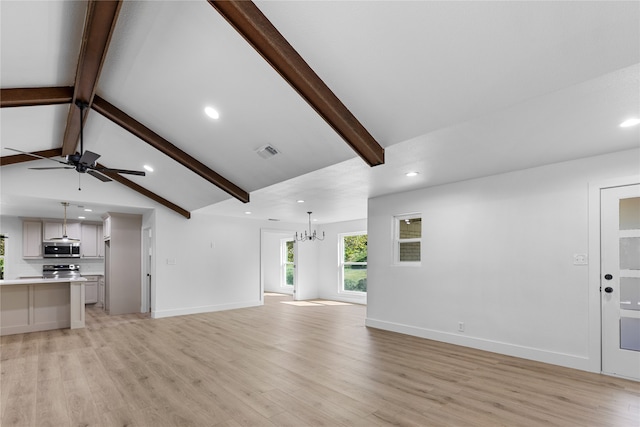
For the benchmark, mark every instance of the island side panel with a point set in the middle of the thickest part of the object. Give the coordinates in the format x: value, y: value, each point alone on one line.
x: 51, y: 307
x: 31, y: 305
x: 77, y: 299
x: 15, y: 313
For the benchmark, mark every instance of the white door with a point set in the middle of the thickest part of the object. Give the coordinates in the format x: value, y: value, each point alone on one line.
x: 620, y: 280
x: 146, y: 270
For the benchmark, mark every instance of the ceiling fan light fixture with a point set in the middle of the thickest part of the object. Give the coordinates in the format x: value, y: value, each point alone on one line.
x: 212, y: 112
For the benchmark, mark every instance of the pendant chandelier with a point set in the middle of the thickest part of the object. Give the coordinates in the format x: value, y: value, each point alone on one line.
x: 310, y: 235
x: 64, y: 237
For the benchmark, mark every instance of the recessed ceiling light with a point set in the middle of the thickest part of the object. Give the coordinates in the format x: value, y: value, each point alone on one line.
x: 148, y: 168
x: 247, y: 213
x: 411, y: 174
x: 88, y: 210
x: 81, y: 217
x: 300, y: 201
x: 630, y: 122
x: 212, y: 112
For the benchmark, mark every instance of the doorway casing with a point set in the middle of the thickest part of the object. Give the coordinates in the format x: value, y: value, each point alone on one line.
x: 595, y: 315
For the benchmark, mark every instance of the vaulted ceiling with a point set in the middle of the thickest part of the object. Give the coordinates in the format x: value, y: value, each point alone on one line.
x: 454, y: 90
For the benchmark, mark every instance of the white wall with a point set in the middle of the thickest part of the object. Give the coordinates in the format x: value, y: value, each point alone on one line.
x: 328, y: 270
x: 216, y: 263
x: 307, y: 269
x: 497, y: 254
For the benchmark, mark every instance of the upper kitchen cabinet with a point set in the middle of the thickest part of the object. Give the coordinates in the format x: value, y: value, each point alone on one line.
x: 100, y: 241
x: 106, y: 228
x: 55, y: 229
x: 92, y: 241
x: 31, y: 239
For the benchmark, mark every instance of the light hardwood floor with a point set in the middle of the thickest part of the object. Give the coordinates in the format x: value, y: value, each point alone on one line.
x: 286, y: 365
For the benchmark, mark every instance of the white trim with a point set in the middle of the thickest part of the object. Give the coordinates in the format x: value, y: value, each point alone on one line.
x: 546, y: 356
x: 594, y: 349
x: 203, y: 309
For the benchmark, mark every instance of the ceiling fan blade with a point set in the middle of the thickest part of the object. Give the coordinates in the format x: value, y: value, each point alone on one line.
x: 99, y: 176
x: 57, y: 167
x: 35, y: 155
x: 129, y: 172
x: 89, y: 157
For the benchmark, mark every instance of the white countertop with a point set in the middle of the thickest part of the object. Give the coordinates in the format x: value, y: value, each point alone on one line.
x: 39, y: 280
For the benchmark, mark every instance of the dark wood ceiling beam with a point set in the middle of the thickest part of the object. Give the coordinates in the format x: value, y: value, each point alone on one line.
x: 100, y: 22
x: 28, y: 97
x: 140, y: 189
x: 120, y: 118
x: 21, y: 158
x: 251, y: 23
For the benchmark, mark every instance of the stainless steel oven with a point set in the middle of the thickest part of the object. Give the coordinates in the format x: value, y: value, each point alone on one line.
x: 61, y: 249
x: 61, y: 271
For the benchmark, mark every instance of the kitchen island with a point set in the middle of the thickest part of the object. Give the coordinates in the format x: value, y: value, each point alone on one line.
x: 38, y: 304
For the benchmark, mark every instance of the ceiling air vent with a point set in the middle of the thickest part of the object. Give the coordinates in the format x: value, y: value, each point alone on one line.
x: 267, y: 151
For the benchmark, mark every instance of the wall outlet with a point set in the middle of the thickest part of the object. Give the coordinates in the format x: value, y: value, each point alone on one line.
x: 460, y: 326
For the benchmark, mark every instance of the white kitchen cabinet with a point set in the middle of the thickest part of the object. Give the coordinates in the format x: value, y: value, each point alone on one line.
x: 100, y: 242
x: 91, y: 289
x: 55, y: 229
x: 31, y: 239
x: 106, y: 228
x: 91, y: 241
x: 101, y: 291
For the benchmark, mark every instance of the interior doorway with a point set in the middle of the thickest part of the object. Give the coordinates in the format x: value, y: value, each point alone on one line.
x: 278, y: 261
x: 147, y: 262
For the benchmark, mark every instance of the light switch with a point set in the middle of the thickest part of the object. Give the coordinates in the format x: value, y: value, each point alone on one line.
x: 171, y: 261
x: 580, y: 259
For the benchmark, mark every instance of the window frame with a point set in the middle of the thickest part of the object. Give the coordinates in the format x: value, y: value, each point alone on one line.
x: 397, y: 240
x: 342, y: 263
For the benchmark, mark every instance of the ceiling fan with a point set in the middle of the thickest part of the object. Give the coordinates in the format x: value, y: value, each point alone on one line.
x: 84, y: 161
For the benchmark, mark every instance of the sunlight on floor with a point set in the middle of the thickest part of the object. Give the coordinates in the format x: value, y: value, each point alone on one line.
x: 314, y: 303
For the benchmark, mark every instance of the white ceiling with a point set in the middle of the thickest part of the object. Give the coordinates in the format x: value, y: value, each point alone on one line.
x: 454, y: 90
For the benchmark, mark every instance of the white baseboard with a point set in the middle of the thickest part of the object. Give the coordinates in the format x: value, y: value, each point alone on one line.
x: 530, y: 353
x: 158, y: 314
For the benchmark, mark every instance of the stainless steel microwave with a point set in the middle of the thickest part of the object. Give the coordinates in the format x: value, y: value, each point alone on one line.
x: 61, y: 249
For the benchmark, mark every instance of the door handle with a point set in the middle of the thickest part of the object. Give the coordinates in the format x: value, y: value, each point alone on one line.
x: 608, y: 277
x: 608, y: 289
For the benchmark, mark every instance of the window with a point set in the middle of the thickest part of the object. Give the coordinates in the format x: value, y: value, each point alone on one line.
x: 353, y: 262
x: 287, y: 262
x: 408, y: 239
